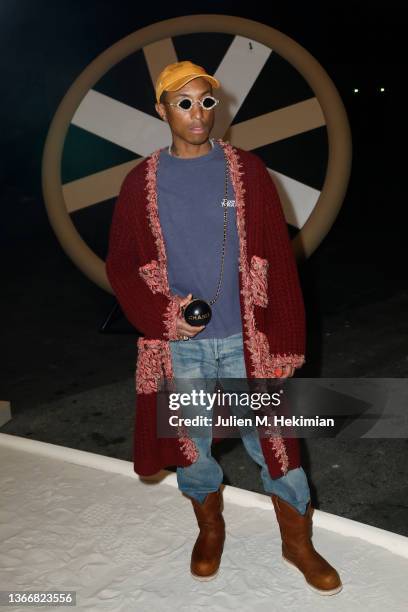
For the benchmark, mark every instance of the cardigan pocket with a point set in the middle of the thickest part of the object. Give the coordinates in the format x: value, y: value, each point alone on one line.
x: 259, y: 280
x: 153, y: 363
x: 152, y: 274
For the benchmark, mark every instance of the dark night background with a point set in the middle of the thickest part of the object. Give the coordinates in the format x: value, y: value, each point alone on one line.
x: 68, y: 383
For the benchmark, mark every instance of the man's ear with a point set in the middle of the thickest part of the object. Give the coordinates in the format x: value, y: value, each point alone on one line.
x: 160, y: 110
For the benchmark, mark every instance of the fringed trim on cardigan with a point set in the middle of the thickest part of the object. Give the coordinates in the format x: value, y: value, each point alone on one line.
x: 259, y: 280
x: 170, y: 317
x: 154, y: 221
x: 279, y: 448
x: 152, y: 275
x: 188, y: 447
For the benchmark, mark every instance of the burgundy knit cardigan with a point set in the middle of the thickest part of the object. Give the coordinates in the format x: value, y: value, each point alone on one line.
x: 272, y: 308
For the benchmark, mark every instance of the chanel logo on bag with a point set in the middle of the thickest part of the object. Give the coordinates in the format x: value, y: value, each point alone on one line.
x: 199, y: 317
x: 225, y: 203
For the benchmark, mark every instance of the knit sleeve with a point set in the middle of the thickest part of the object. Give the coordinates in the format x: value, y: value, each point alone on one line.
x: 285, y: 315
x: 151, y: 313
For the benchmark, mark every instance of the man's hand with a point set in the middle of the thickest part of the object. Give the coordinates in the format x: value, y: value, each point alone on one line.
x: 182, y: 327
x: 261, y: 385
x: 284, y: 371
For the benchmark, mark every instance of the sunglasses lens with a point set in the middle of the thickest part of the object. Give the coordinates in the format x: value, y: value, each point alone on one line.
x: 185, y: 104
x: 208, y: 102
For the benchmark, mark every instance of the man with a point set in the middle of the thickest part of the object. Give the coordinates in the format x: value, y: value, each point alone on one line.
x: 171, y: 239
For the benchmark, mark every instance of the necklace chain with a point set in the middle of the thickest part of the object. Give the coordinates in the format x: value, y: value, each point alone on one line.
x: 224, y: 234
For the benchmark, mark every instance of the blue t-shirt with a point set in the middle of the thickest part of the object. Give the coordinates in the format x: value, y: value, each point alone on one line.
x: 190, y: 202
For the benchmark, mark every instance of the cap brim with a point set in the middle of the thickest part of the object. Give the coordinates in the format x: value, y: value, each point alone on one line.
x: 181, y: 82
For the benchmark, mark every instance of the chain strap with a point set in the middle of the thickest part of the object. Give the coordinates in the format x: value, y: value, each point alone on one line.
x: 225, y: 201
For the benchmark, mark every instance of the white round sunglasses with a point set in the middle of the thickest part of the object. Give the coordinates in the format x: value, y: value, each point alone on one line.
x: 186, y: 104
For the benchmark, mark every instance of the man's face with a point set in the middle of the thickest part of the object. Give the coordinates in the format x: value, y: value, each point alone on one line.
x: 182, y: 123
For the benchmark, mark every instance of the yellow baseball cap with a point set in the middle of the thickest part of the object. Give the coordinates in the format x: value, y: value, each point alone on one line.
x: 174, y: 76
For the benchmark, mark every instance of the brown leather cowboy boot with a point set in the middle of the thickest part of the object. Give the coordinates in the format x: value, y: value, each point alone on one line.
x: 298, y: 549
x: 207, y: 551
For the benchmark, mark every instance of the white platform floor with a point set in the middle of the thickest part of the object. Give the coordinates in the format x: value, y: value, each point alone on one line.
x: 73, y: 520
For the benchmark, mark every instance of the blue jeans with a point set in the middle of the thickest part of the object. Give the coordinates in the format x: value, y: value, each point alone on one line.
x: 217, y: 358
